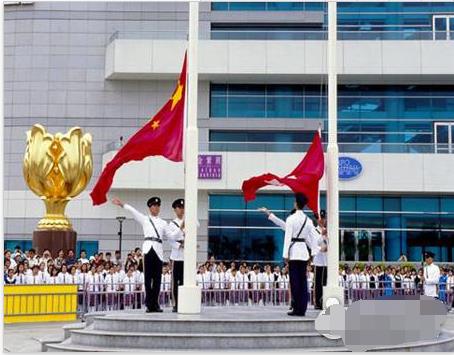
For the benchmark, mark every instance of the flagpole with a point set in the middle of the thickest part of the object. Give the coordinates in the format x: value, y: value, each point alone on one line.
x: 332, y: 293
x: 189, y: 295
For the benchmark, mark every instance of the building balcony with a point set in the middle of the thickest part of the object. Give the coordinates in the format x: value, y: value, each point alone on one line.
x: 286, y: 61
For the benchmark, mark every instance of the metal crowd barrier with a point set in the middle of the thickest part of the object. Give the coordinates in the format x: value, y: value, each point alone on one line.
x: 357, y: 290
x: 111, y: 297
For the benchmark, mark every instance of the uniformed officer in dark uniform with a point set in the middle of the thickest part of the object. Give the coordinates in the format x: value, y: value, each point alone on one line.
x: 176, y: 237
x: 154, y: 230
x: 300, y: 233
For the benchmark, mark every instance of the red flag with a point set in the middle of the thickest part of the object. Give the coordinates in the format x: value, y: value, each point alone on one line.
x: 303, y: 179
x: 162, y: 135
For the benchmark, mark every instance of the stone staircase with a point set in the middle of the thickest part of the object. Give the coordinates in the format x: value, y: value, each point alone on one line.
x: 212, y: 330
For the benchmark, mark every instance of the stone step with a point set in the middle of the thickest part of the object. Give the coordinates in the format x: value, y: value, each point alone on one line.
x: 67, y: 346
x: 146, y: 324
x: 136, y: 340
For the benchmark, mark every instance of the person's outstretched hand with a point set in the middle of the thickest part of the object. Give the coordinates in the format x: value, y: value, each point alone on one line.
x: 117, y: 201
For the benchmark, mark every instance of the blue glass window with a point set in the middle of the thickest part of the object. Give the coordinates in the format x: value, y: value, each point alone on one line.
x: 372, y: 118
x: 411, y: 225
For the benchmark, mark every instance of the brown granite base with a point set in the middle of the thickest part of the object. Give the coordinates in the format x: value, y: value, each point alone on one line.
x: 54, y: 240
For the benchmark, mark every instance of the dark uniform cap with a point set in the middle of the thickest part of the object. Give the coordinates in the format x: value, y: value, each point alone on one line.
x: 154, y: 201
x: 178, y: 203
x: 428, y: 254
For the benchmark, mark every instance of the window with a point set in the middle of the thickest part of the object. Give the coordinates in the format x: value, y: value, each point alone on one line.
x: 11, y: 244
x: 269, y: 141
x: 393, y: 225
x: 371, y: 118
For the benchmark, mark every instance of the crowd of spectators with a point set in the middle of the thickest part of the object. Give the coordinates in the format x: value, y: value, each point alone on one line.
x: 104, y: 272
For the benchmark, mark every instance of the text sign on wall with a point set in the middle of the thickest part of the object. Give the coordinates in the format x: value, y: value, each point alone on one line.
x: 210, y: 167
x: 349, y: 168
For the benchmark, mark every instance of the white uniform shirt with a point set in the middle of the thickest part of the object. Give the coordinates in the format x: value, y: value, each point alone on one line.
x: 166, y: 280
x: 175, y: 234
x: 219, y: 280
x: 299, y: 250
x: 355, y: 280
x: 121, y: 275
x: 84, y: 261
x: 64, y: 278
x: 431, y: 279
x: 255, y: 281
x: 277, y: 221
x: 233, y: 282
x: 310, y: 280
x: 140, y: 281
x: 243, y: 281
x: 112, y: 282
x: 21, y: 279
x: 32, y: 261
x: 320, y: 258
x: 95, y: 282
x: 33, y: 280
x: 268, y: 280
x: 82, y: 280
x: 129, y: 283
x: 148, y: 230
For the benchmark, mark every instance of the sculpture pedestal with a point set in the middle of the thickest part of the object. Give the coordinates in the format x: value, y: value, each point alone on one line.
x: 54, y: 240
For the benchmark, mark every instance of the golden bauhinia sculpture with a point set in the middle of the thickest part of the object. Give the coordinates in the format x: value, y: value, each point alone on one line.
x: 57, y: 168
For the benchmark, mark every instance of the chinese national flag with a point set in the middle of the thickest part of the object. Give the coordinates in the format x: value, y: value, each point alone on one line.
x: 162, y: 135
x: 303, y: 179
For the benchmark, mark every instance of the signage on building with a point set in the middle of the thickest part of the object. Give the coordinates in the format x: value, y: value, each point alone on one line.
x: 210, y: 167
x: 349, y: 168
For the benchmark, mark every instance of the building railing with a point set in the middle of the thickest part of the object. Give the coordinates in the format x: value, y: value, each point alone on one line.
x: 292, y: 147
x: 372, y: 147
x: 304, y: 35
x: 121, y: 296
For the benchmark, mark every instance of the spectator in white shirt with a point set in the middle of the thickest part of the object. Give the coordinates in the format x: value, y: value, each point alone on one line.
x: 34, y: 278
x: 12, y: 263
x: 64, y: 277
x: 129, y: 288
x: 46, y: 258
x: 20, y: 275
x: 33, y: 258
x: 53, y: 276
x: 43, y: 272
x: 112, y: 282
x: 83, y: 257
x: 60, y: 259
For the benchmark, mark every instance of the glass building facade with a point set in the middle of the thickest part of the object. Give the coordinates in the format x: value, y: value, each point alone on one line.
x: 356, y: 21
x: 372, y: 227
x: 371, y: 118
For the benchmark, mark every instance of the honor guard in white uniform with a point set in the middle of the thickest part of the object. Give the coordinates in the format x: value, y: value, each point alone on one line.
x: 176, y: 237
x: 154, y: 230
x: 431, y: 275
x: 320, y: 262
x: 299, y: 233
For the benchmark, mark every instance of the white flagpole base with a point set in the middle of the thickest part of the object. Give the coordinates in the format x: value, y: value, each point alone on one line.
x: 189, y: 299
x: 332, y: 295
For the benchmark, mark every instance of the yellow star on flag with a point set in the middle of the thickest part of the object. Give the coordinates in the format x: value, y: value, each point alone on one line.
x: 177, y: 95
x: 155, y: 124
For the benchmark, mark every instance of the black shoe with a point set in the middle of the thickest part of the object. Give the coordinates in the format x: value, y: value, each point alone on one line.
x: 148, y: 310
x: 154, y: 310
x: 293, y: 313
x: 174, y: 310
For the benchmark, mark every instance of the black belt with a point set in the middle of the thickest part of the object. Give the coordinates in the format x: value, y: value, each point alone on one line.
x: 298, y: 240
x: 153, y: 239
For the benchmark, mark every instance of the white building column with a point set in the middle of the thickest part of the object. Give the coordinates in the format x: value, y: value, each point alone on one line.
x: 189, y: 295
x: 332, y: 293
